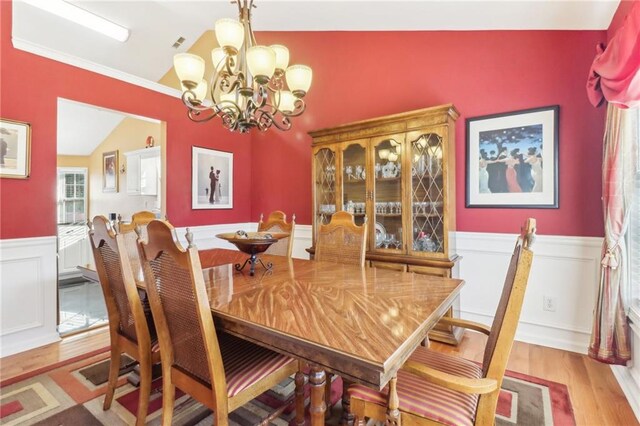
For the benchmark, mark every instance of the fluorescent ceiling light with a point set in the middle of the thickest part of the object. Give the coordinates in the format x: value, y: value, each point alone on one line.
x: 80, y: 16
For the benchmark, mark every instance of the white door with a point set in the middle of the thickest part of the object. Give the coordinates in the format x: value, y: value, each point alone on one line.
x: 73, y: 244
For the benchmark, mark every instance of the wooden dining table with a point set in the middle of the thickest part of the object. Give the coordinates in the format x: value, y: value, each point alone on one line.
x: 359, y: 323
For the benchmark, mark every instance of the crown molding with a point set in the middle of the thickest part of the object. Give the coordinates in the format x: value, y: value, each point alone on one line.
x: 65, y: 58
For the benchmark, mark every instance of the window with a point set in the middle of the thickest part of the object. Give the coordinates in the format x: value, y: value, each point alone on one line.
x: 71, y: 196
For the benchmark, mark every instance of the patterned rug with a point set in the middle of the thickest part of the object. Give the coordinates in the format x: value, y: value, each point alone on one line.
x: 72, y: 392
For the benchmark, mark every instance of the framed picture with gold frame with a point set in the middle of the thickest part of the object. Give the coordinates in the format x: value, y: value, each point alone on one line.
x: 110, y: 171
x: 15, y: 149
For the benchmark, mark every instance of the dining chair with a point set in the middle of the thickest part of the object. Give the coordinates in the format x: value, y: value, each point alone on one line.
x: 129, y: 329
x: 221, y: 371
x: 277, y: 222
x: 436, y: 388
x: 140, y: 218
x: 341, y: 240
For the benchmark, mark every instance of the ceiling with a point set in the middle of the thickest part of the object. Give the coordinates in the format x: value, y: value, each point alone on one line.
x: 82, y: 127
x: 155, y: 25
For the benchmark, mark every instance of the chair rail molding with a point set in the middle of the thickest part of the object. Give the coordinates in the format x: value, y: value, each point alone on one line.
x: 28, y: 293
x: 565, y: 270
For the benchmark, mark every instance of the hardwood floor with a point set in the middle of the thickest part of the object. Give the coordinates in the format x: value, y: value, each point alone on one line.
x: 596, y: 396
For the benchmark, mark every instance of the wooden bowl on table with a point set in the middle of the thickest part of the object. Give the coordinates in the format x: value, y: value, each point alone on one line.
x: 252, y: 243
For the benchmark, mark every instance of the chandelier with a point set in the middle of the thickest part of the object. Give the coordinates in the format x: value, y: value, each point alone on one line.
x: 248, y: 87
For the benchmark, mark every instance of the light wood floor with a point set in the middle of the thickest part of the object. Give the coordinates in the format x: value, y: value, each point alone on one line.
x: 596, y: 396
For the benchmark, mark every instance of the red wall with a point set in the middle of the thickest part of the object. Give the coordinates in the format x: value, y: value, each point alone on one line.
x: 359, y: 75
x: 30, y: 86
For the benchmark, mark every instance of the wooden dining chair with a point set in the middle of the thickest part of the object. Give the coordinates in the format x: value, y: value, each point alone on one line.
x: 129, y: 328
x: 436, y: 388
x: 141, y: 218
x: 221, y: 371
x: 342, y: 241
x: 277, y: 222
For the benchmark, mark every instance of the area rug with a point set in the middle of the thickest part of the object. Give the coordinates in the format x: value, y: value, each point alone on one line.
x: 64, y: 394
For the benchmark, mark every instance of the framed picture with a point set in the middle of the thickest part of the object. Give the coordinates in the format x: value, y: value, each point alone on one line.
x: 512, y: 159
x: 211, y: 179
x: 15, y: 149
x: 110, y: 171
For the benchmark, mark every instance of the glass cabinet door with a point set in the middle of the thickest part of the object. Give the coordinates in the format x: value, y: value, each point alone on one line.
x: 325, y: 185
x: 354, y: 179
x: 427, y: 193
x: 387, y: 189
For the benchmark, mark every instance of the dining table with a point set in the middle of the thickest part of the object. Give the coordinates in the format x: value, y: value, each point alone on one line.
x: 359, y: 323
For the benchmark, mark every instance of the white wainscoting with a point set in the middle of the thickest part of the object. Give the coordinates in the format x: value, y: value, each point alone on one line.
x: 564, y: 268
x: 28, y: 294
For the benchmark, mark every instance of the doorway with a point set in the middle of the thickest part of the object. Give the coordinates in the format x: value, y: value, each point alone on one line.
x: 110, y: 163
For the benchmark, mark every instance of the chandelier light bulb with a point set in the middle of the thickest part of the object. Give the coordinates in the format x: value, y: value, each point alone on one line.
x: 251, y: 87
x: 218, y: 58
x: 299, y: 79
x: 282, y: 56
x: 392, y: 156
x: 189, y: 67
x: 285, y: 101
x: 262, y: 63
x: 200, y: 90
x: 383, y: 153
x: 230, y: 34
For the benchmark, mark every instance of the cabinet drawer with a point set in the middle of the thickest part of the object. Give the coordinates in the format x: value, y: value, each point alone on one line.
x: 388, y: 265
x: 430, y: 270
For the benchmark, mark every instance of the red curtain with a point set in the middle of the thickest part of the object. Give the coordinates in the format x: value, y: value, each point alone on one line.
x: 614, y: 75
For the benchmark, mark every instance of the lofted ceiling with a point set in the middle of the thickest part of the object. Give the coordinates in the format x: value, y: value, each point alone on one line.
x: 154, y: 26
x: 82, y: 127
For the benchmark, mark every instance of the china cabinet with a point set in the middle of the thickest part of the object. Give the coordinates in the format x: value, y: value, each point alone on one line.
x: 399, y: 172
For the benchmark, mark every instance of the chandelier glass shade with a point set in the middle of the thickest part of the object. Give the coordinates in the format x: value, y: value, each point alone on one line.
x: 251, y: 85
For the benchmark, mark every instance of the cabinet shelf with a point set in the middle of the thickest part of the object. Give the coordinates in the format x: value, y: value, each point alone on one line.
x: 391, y: 179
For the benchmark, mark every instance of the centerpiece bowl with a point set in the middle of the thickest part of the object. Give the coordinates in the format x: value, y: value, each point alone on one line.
x: 252, y: 243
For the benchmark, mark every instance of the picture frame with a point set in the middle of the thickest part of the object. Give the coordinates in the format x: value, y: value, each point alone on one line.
x: 211, y: 179
x: 110, y: 171
x: 512, y: 159
x: 15, y: 149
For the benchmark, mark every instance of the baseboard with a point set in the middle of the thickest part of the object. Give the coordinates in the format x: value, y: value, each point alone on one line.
x: 27, y: 344
x: 629, y: 387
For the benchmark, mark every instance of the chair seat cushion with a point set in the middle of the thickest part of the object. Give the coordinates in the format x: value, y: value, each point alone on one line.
x: 246, y: 363
x: 419, y: 396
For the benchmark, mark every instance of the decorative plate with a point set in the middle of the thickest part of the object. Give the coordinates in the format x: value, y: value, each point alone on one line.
x: 381, y: 234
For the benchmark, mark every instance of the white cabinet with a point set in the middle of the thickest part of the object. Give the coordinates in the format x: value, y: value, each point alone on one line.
x: 143, y: 171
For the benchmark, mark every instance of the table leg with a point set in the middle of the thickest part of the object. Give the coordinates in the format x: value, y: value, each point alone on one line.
x: 299, y: 395
x: 317, y: 380
x: 393, y: 413
x: 347, y: 417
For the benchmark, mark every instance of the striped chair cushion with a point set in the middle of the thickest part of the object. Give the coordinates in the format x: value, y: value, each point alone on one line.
x: 246, y: 363
x: 420, y: 397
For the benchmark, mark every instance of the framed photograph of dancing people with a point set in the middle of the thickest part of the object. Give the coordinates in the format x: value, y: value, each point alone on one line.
x: 512, y: 159
x: 211, y: 179
x: 15, y: 149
